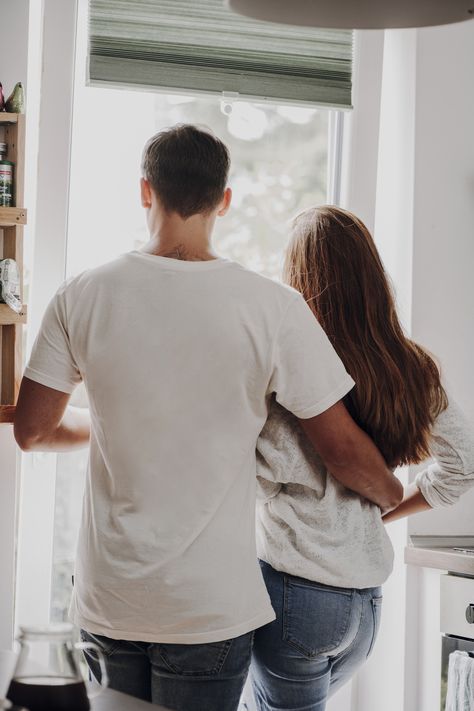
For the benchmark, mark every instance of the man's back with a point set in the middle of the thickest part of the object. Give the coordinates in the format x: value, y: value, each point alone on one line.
x: 178, y: 359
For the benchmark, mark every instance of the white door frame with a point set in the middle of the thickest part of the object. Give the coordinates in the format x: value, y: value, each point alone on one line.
x: 37, y: 498
x: 19, y: 48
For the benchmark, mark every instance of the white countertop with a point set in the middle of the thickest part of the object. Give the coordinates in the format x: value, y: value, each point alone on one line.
x: 438, y: 552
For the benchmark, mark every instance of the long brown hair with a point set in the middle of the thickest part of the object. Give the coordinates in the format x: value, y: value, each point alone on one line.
x: 333, y: 261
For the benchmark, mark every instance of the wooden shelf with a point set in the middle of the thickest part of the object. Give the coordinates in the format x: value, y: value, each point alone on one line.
x: 8, y: 118
x: 12, y: 221
x: 9, y: 318
x: 7, y: 413
x: 12, y: 216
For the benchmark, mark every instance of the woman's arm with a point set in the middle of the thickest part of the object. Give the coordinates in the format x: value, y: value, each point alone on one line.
x: 413, y: 502
x: 452, y: 447
x: 441, y: 484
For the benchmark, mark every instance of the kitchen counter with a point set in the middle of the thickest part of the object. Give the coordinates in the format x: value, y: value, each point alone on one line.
x: 438, y: 552
x: 113, y: 701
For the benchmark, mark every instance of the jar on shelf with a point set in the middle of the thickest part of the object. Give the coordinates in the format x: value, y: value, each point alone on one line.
x: 3, y: 153
x: 6, y: 183
x: 10, y: 284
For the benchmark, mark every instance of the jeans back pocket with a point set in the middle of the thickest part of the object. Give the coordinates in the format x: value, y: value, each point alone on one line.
x: 195, y: 659
x: 316, y: 618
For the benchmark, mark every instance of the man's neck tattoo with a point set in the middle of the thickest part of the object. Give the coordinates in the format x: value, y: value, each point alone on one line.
x: 180, y: 252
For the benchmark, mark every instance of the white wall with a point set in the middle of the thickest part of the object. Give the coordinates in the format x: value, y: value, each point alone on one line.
x: 443, y: 257
x: 443, y: 286
x: 443, y: 295
x: 14, y: 21
x: 424, y: 227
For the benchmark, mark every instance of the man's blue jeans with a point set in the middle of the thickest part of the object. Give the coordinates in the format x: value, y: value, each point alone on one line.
x: 181, y: 677
x: 319, y: 639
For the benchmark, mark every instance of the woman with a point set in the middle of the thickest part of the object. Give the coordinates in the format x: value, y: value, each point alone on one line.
x: 324, y: 551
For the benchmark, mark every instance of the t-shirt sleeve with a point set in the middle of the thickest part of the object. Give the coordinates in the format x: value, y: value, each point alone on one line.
x: 308, y: 377
x: 52, y: 362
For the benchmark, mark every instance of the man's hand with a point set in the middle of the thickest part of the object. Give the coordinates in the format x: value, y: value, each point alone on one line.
x: 352, y: 458
x: 44, y: 422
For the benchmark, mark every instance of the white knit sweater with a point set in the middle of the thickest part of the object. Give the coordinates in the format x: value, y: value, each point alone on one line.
x: 311, y: 526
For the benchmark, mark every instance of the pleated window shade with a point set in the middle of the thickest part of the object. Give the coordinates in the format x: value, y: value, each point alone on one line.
x: 201, y: 45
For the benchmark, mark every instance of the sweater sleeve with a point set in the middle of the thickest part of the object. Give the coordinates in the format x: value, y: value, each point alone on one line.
x: 452, y: 447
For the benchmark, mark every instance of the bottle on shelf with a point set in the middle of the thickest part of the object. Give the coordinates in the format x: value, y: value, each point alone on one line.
x: 6, y: 183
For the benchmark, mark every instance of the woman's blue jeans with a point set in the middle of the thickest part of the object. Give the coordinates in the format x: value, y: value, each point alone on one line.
x: 320, y: 637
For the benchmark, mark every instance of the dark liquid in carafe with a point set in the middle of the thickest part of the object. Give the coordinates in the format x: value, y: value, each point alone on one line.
x: 49, y: 694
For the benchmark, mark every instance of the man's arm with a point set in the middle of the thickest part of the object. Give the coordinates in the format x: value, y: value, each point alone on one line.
x: 45, y: 422
x: 352, y: 458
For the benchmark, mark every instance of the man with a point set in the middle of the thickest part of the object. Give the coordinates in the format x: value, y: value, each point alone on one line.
x: 180, y: 351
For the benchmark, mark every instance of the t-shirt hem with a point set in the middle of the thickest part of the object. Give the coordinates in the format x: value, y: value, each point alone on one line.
x: 163, y: 638
x: 48, y: 381
x: 334, y: 396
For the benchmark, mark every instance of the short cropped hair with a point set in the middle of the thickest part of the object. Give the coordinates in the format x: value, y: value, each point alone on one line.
x: 187, y: 168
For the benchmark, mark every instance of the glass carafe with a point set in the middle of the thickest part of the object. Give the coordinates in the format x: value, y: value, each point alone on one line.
x: 5, y: 704
x: 48, y: 674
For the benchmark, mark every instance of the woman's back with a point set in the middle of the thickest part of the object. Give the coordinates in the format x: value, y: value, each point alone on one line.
x: 324, y: 531
x: 311, y: 526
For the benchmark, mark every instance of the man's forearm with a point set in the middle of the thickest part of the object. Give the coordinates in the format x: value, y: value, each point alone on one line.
x: 367, y: 474
x: 413, y: 502
x: 352, y: 458
x: 73, y: 432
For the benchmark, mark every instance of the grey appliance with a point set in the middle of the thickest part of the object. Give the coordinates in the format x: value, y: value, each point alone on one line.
x: 457, y: 622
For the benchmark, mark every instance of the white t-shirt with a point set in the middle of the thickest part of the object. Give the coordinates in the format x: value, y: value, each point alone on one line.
x: 179, y: 360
